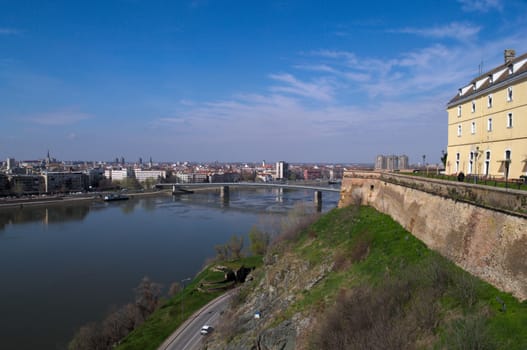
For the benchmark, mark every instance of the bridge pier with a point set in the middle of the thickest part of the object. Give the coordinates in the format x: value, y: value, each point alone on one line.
x: 317, y: 199
x: 224, y: 192
x: 173, y: 189
x: 224, y: 195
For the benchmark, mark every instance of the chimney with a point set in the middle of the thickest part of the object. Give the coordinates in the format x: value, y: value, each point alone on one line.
x: 509, y: 55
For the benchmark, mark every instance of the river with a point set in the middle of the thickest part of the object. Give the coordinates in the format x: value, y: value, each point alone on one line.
x: 62, y: 266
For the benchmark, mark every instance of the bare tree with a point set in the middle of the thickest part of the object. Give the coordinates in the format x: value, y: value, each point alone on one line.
x: 88, y: 337
x: 222, y: 251
x: 235, y: 246
x: 147, y: 296
x: 174, y: 289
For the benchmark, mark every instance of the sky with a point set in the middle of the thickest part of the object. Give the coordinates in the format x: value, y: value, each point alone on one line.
x: 242, y: 81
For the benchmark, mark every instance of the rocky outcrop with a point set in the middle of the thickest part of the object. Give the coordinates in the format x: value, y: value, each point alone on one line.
x: 281, y: 284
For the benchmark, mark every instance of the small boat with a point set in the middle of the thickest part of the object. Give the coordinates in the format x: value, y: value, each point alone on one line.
x: 115, y: 197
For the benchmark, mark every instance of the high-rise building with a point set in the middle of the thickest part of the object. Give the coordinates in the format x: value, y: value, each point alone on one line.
x: 10, y: 163
x: 282, y: 170
x: 391, y: 162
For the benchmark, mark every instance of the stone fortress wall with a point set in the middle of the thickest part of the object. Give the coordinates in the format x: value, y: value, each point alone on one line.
x: 481, y: 229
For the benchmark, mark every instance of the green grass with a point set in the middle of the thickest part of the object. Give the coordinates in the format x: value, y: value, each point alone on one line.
x: 165, y: 320
x: 394, y: 253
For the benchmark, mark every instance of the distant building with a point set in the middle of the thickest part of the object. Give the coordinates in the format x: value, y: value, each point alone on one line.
x: 391, y: 162
x: 312, y: 174
x: 224, y: 177
x: 64, y: 181
x: 10, y: 163
x: 118, y: 174
x: 191, y: 177
x: 282, y: 170
x: 487, y: 128
x: 27, y: 184
x: 4, y: 185
x: 143, y: 175
x: 94, y: 176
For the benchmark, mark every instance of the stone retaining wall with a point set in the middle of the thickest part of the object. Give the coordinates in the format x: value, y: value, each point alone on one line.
x: 481, y: 229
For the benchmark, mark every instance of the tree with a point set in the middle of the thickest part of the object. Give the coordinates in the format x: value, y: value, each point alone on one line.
x: 222, y: 251
x: 236, y: 245
x: 444, y: 157
x: 147, y: 296
x: 88, y: 337
x: 174, y: 289
x: 259, y: 241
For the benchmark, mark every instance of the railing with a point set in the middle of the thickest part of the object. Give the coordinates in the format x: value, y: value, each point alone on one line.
x: 494, y: 181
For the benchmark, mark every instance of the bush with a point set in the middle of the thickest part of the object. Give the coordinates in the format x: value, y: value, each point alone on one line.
x: 469, y: 333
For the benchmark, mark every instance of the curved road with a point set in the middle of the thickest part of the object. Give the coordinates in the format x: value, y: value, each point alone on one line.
x: 187, y: 336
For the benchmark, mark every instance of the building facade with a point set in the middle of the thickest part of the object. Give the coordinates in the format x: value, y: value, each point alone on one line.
x: 282, y: 170
x: 487, y: 123
x: 143, y: 175
x: 64, y: 181
x: 118, y: 174
x: 391, y: 162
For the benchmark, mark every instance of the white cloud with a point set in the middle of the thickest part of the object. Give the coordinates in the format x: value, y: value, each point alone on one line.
x: 455, y: 30
x: 320, y: 89
x: 481, y: 5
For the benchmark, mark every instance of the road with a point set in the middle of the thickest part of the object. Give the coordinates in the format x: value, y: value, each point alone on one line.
x: 187, y: 336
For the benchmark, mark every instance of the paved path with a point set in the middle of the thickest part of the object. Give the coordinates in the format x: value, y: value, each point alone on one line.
x: 187, y: 336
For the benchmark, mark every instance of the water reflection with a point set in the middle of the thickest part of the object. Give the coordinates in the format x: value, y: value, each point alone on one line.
x: 45, y: 214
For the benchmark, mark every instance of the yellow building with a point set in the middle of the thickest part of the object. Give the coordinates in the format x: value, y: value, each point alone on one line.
x: 487, y: 123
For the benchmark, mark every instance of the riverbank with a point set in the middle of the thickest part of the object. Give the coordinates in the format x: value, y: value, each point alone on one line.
x: 50, y: 200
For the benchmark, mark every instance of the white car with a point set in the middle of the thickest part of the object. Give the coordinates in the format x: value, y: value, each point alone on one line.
x: 206, y: 329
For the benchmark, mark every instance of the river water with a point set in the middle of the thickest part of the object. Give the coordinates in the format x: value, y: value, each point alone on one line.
x: 62, y: 266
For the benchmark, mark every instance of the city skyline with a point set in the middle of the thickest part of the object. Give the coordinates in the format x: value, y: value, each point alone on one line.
x: 230, y: 81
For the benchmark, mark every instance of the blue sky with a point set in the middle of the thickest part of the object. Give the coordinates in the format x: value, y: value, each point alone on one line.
x: 211, y: 80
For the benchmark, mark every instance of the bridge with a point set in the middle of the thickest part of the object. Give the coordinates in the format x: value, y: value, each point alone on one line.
x: 224, y: 188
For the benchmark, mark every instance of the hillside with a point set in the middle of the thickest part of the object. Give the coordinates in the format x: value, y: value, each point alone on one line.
x: 355, y: 279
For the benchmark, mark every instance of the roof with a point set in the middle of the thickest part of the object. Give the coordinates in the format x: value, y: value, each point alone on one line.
x: 492, y: 78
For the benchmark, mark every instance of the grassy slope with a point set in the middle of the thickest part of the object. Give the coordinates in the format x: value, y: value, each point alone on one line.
x: 369, y: 247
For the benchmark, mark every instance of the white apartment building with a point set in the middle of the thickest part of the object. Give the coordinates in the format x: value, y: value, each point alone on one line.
x: 117, y: 174
x: 143, y: 175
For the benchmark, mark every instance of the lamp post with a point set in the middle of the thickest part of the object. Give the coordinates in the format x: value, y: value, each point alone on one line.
x: 183, y: 293
x: 476, y: 165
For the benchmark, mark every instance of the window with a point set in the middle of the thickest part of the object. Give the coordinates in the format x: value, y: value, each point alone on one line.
x: 511, y: 69
x: 470, y: 162
x: 459, y: 130
x: 507, y: 162
x: 473, y: 106
x: 459, y: 111
x: 509, y: 120
x: 457, y: 162
x: 509, y: 94
x: 491, y: 80
x: 489, y: 101
x: 473, y: 128
x: 489, y: 124
x: 487, y: 162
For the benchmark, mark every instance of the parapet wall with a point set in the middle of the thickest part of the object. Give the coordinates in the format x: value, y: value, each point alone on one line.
x: 481, y: 229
